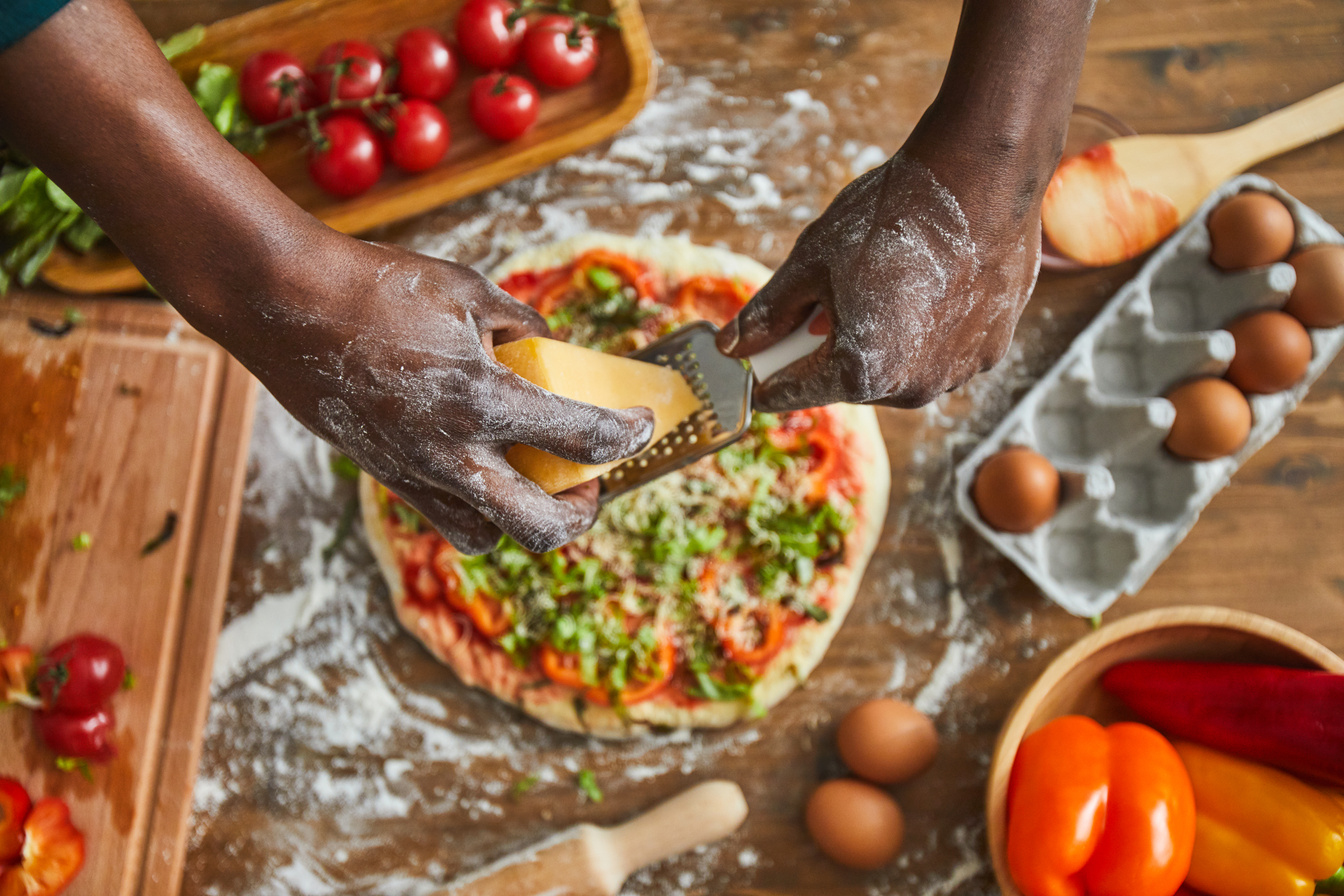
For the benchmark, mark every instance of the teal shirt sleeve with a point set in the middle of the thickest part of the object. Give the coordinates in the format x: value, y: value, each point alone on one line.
x: 19, y: 17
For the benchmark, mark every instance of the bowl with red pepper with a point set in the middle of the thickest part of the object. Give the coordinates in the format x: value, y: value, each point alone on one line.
x: 1190, y: 748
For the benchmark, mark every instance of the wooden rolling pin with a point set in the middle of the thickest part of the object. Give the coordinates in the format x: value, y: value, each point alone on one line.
x: 587, y: 860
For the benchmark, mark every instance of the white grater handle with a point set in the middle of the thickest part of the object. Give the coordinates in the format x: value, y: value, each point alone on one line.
x: 798, y: 344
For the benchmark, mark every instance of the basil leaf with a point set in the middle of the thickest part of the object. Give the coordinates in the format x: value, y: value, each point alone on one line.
x: 83, y: 234
x: 181, y: 42
x: 60, y: 198
x: 214, y: 84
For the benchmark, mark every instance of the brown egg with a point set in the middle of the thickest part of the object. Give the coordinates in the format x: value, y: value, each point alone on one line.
x: 1318, y: 298
x: 1273, y: 352
x: 855, y: 824
x: 1213, y: 419
x: 1249, y: 230
x: 1016, y: 490
x: 886, y: 741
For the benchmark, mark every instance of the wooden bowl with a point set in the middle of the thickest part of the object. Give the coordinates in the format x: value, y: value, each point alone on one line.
x: 1072, y: 683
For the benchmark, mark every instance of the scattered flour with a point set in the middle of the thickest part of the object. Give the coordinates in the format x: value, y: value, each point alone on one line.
x: 327, y: 724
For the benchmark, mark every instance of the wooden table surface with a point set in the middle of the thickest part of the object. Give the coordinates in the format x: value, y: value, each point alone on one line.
x: 342, y: 760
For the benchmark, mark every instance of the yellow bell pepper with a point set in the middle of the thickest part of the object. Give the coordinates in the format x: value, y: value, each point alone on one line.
x: 1258, y: 831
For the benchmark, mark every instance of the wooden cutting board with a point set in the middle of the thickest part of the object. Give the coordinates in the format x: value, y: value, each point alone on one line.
x: 129, y: 417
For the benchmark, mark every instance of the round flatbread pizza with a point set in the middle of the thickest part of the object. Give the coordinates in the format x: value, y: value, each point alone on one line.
x: 698, y: 600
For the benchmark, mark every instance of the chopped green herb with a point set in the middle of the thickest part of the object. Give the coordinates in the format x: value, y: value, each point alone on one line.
x: 407, y: 516
x: 523, y: 785
x: 165, y: 534
x: 81, y: 542
x: 603, y: 279
x: 343, y: 528
x: 1095, y: 621
x: 587, y: 782
x: 74, y: 316
x: 12, y: 487
x: 128, y: 681
x: 344, y: 467
x: 70, y: 764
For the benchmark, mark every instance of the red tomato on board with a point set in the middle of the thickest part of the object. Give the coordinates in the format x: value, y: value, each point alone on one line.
x: 504, y: 106
x: 484, y: 35
x: 428, y: 65
x: 273, y: 85
x: 421, y: 137
x: 80, y: 674
x: 352, y: 162
x: 362, y: 76
x: 79, y: 736
x: 560, y: 51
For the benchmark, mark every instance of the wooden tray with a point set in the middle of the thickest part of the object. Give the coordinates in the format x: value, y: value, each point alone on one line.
x: 570, y: 119
x: 130, y: 416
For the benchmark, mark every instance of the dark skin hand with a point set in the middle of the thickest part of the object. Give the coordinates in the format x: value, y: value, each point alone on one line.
x: 925, y: 264
x: 383, y: 352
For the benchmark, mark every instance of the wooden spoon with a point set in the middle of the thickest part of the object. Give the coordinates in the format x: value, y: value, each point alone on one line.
x: 1120, y: 198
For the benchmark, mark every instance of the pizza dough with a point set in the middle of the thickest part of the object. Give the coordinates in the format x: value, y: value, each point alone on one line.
x: 451, y: 627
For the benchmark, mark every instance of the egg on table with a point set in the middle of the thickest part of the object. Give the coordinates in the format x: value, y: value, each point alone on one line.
x: 1317, y: 299
x: 886, y: 741
x: 1249, y: 230
x: 1213, y: 419
x: 855, y: 824
x: 1273, y: 352
x: 1016, y: 490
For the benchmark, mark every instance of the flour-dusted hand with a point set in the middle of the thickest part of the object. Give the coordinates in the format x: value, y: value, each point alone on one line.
x: 385, y: 353
x: 925, y: 264
x: 390, y: 361
x: 922, y: 287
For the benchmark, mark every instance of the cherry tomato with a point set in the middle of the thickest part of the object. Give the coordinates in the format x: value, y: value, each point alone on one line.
x: 559, y: 51
x: 428, y: 66
x: 353, y: 160
x: 504, y: 106
x: 421, y: 137
x: 274, y: 85
x: 79, y: 735
x: 80, y: 674
x: 484, y: 36
x: 362, y: 76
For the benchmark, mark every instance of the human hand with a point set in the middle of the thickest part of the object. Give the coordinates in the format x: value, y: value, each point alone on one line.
x: 387, y: 355
x: 923, y: 281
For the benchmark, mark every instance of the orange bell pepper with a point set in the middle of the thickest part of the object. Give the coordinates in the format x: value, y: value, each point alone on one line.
x: 53, y: 853
x: 1098, y: 811
x: 1260, y: 831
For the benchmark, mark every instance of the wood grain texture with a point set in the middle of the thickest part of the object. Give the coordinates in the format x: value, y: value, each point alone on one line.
x: 569, y: 119
x: 129, y: 417
x: 1268, y: 543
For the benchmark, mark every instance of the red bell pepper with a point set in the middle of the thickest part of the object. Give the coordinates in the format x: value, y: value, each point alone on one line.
x: 1290, y: 718
x: 14, y: 806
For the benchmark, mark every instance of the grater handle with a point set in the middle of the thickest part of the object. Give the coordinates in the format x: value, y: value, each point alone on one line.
x: 798, y: 344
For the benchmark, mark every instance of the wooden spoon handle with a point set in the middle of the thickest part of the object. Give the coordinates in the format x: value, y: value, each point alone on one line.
x: 1288, y: 128
x: 701, y: 815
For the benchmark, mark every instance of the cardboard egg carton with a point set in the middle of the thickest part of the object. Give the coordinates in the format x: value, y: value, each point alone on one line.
x: 1100, y: 418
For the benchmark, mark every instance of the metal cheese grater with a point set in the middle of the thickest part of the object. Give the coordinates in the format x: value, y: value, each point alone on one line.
x: 722, y: 384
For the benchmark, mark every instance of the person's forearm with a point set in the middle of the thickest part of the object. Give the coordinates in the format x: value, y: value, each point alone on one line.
x: 89, y: 99
x: 1010, y: 83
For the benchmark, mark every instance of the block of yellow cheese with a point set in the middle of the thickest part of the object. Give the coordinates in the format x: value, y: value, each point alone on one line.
x: 608, y: 381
